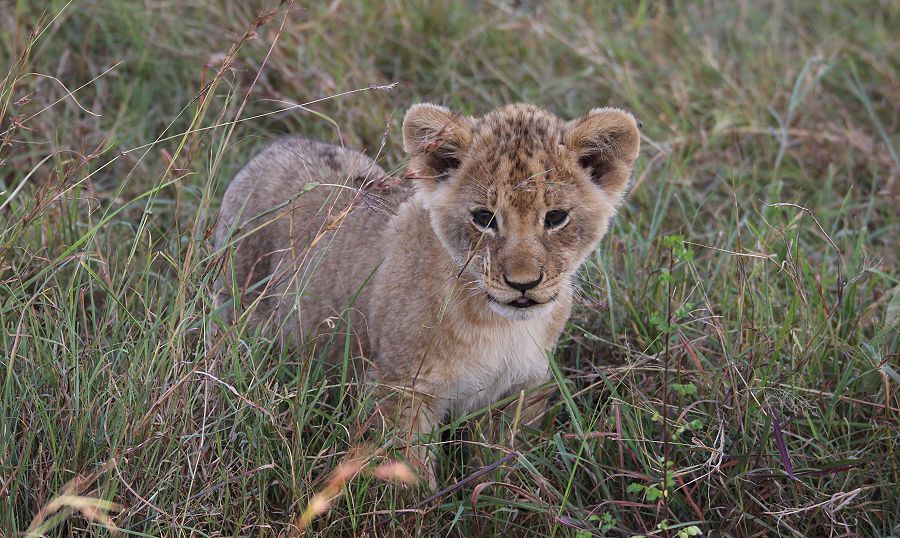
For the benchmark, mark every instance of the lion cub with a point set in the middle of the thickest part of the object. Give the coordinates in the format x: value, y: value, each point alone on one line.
x: 454, y: 289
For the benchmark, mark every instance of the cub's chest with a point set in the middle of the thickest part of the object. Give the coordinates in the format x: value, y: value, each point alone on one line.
x: 497, y: 362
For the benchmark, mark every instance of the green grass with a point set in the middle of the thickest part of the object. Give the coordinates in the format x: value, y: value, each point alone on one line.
x: 713, y: 320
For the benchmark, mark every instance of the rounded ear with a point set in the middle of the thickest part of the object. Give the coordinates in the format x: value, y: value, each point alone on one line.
x: 435, y: 139
x: 606, y: 142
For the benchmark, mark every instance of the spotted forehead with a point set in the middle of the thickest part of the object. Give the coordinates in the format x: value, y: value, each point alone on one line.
x: 524, y: 130
x: 515, y: 156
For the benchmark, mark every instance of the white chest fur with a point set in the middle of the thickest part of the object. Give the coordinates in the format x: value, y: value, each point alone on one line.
x: 501, y: 360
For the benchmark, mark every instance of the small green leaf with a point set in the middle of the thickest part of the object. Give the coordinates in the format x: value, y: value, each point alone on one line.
x: 664, y: 275
x: 634, y: 487
x: 672, y: 241
x: 652, y: 494
x: 686, y: 389
x: 670, y: 479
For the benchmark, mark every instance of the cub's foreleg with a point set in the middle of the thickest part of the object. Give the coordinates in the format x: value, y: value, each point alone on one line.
x: 411, y: 417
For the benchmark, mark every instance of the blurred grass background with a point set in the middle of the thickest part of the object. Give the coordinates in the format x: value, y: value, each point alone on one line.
x: 733, y: 368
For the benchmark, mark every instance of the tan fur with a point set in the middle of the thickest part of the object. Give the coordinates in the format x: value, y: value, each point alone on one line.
x: 434, y: 318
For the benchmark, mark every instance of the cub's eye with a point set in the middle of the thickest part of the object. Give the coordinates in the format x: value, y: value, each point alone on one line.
x: 484, y: 219
x: 555, y: 218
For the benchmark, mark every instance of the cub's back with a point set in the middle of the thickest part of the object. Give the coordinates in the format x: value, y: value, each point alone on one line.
x: 295, y: 226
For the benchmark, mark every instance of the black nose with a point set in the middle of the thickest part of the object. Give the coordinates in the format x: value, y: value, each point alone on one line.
x: 523, y: 286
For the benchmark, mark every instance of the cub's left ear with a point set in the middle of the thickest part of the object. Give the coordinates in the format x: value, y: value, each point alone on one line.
x: 606, y: 142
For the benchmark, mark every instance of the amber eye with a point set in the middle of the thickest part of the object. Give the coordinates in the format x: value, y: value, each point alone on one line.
x: 484, y: 219
x: 555, y: 218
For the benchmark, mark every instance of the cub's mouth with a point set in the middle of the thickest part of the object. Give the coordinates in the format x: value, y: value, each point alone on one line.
x: 521, y: 308
x: 523, y: 302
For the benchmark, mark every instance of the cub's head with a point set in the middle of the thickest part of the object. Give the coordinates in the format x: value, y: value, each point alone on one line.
x: 519, y: 197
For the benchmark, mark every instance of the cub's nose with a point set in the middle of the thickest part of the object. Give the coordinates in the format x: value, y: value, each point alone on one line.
x: 523, y: 286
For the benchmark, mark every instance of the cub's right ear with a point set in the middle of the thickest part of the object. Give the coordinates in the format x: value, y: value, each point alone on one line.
x: 435, y: 139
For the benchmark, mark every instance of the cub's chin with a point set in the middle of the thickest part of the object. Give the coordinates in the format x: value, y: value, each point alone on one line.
x: 516, y: 313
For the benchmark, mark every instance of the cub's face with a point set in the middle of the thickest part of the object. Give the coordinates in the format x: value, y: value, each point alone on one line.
x: 519, y: 197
